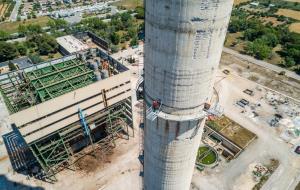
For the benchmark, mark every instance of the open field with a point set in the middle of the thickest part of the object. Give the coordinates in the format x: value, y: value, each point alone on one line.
x: 3, y: 8
x: 273, y: 20
x: 236, y: 2
x: 298, y: 1
x: 289, y: 13
x: 129, y: 4
x: 295, y: 27
x: 12, y: 27
x: 233, y: 40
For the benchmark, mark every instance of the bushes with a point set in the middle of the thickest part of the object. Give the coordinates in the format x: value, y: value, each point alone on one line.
x: 140, y: 13
x: 259, y: 49
x: 7, y: 51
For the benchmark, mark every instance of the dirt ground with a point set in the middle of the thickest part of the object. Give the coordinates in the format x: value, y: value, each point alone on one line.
x: 3, y: 8
x: 261, y: 76
x: 273, y: 20
x: 295, y: 27
x: 236, y: 2
x: 298, y: 1
x: 129, y: 4
x: 289, y: 13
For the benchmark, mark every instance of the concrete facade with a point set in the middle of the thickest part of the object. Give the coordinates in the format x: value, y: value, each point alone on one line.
x: 183, y: 45
x: 63, y: 110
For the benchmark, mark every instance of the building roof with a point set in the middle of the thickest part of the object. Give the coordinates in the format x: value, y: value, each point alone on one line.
x: 71, y: 44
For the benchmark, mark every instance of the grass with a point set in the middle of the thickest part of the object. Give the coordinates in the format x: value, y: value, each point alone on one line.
x: 204, y: 157
x: 237, y: 2
x: 272, y: 20
x: 52, y: 56
x: 289, y: 13
x: 276, y: 59
x: 3, y: 8
x: 129, y: 4
x: 232, y: 131
x: 234, y: 41
x: 12, y: 27
x: 298, y: 1
x: 295, y: 27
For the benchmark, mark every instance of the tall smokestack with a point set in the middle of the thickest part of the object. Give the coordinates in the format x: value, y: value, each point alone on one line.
x: 184, y: 40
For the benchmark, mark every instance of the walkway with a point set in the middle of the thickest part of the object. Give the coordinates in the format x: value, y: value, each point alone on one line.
x: 14, y: 14
x: 264, y: 64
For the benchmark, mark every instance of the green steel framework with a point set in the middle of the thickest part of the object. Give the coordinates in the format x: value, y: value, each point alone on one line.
x: 54, y: 152
x: 43, y: 84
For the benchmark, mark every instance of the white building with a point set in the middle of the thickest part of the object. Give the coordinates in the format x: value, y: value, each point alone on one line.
x: 69, y: 44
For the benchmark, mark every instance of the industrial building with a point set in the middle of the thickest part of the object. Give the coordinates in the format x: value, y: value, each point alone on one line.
x: 184, y: 41
x: 69, y: 44
x: 227, y: 136
x: 69, y: 107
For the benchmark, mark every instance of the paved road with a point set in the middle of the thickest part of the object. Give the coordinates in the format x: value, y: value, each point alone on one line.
x: 262, y: 63
x: 14, y: 13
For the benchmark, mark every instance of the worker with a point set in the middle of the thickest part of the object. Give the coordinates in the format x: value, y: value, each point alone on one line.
x: 155, y: 105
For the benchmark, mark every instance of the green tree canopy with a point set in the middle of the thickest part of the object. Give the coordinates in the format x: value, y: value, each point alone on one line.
x: 22, y: 49
x: 259, y: 49
x: 8, y: 51
x: 115, y: 38
x: 12, y: 66
x: 134, y: 41
x: 140, y: 12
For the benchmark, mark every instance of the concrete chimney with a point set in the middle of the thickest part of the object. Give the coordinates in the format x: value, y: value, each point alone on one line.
x: 183, y: 46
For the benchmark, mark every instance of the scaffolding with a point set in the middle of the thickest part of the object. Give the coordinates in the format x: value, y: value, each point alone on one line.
x: 62, y: 149
x: 21, y: 90
x: 55, y: 80
x: 58, y: 138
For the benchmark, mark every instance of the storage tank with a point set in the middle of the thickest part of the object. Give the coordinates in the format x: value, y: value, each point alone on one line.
x: 104, y: 74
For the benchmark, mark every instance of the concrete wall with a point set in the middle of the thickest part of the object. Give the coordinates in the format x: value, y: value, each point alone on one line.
x: 183, y: 45
x: 170, y: 153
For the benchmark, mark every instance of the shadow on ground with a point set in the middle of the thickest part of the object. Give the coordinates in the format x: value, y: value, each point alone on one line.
x: 6, y: 184
x: 21, y: 157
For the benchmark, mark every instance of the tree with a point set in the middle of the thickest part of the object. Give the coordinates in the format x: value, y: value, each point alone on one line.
x: 115, y: 38
x: 3, y: 35
x: 140, y: 12
x: 21, y: 49
x: 22, y: 29
x: 251, y: 34
x: 35, y: 58
x: 11, y: 66
x: 34, y: 29
x: 116, y: 22
x: 237, y: 24
x: 134, y: 41
x: 57, y: 24
x: 132, y: 32
x: 45, y: 48
x: 114, y: 49
x: 8, y: 51
x: 289, y: 62
x: 125, y: 17
x: 270, y: 39
x: 46, y: 44
x: 259, y: 49
x: 295, y: 53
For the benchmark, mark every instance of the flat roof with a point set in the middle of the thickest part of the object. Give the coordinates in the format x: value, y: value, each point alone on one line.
x: 231, y: 130
x: 71, y: 44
